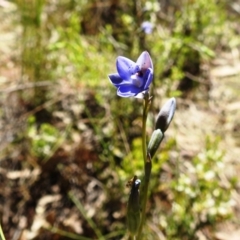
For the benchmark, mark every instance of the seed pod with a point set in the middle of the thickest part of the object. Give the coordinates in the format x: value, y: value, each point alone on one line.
x: 154, y: 142
x: 133, y: 209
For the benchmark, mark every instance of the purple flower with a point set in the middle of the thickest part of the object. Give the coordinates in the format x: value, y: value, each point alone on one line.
x: 147, y: 27
x: 133, y: 78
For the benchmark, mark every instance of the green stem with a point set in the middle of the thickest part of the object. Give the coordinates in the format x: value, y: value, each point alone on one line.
x: 147, y: 168
x: 144, y: 121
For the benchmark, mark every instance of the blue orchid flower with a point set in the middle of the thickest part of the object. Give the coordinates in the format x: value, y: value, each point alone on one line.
x: 133, y: 78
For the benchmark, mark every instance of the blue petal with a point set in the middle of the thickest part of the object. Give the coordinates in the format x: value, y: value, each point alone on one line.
x: 128, y: 91
x: 126, y: 68
x: 115, y: 79
x: 144, y: 61
x: 147, y: 78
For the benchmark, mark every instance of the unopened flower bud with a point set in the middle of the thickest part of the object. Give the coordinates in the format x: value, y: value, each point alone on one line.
x: 133, y: 209
x: 166, y: 114
x: 154, y: 142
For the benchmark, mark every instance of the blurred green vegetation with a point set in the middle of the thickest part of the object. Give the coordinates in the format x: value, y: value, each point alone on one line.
x: 76, y: 129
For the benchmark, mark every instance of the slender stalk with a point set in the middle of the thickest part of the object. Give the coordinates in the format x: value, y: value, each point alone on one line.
x: 147, y: 167
x: 144, y: 121
x: 89, y: 220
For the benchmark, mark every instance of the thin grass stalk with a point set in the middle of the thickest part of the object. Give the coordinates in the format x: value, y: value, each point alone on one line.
x: 1, y: 233
x: 89, y: 220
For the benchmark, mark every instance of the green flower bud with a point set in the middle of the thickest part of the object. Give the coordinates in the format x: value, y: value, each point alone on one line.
x: 166, y: 114
x: 133, y: 209
x: 154, y: 142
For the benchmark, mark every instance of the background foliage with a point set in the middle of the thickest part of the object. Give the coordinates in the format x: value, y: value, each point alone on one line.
x: 69, y: 144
